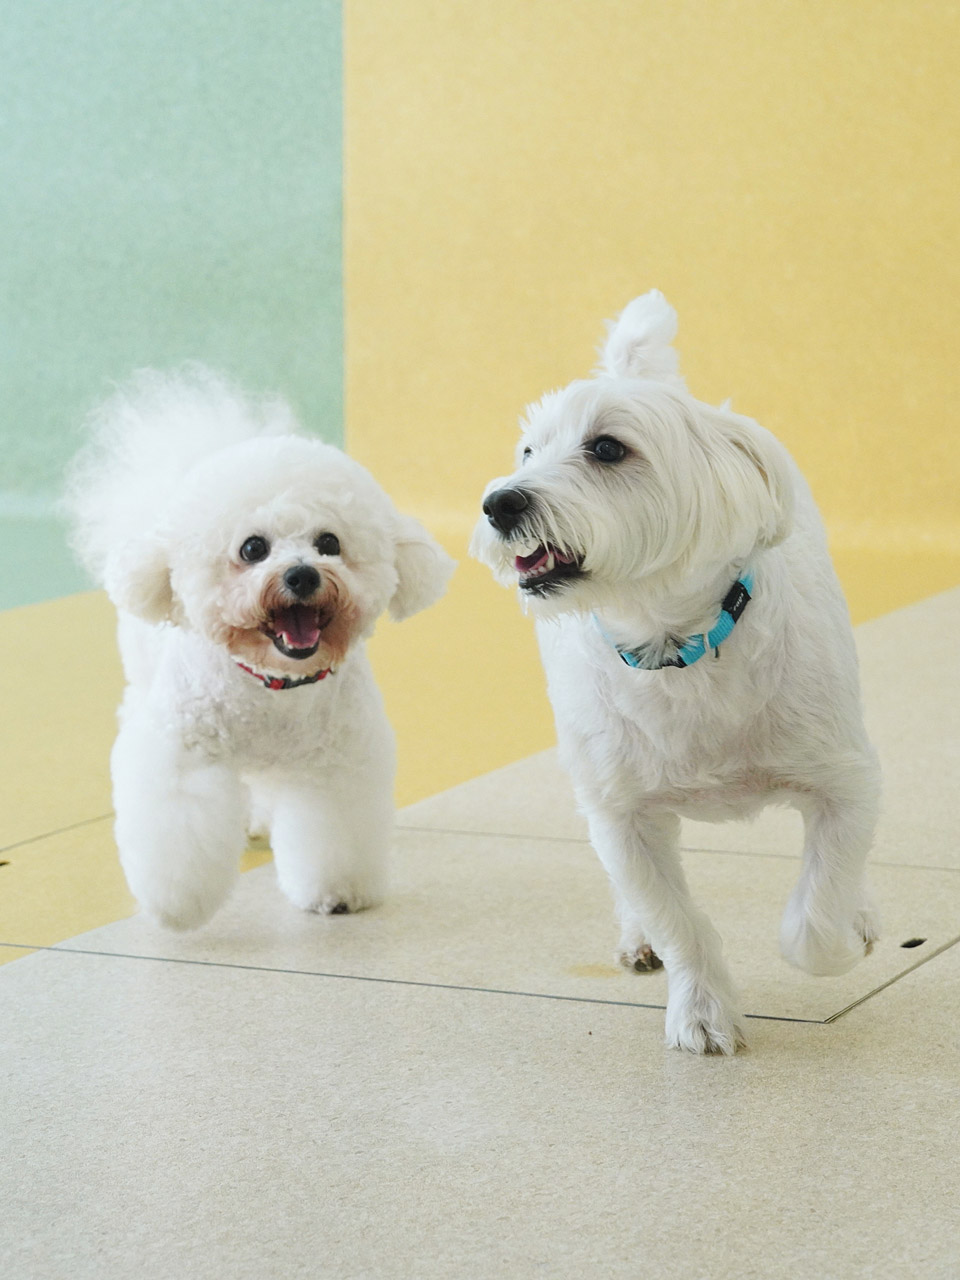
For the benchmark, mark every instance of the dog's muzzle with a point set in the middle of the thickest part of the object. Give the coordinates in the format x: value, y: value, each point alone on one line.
x: 507, y: 508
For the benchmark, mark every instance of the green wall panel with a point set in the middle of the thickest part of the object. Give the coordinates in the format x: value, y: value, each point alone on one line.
x: 170, y: 189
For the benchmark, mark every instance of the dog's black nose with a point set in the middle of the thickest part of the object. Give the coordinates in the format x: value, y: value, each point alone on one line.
x: 504, y: 507
x: 302, y: 580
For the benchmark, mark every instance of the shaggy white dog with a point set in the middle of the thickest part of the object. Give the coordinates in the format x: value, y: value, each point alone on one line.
x: 698, y: 653
x: 247, y: 563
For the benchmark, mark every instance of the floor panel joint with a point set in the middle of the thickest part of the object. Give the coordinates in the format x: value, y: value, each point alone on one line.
x: 890, y: 981
x: 399, y: 982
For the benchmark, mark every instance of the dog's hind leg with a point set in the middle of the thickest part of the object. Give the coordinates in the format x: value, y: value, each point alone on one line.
x: 180, y: 824
x: 640, y: 853
x: 634, y: 951
x: 830, y: 922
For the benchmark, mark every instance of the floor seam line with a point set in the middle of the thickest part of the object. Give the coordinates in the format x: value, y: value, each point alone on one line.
x: 513, y: 835
x: 890, y: 982
x: 738, y: 853
x: 58, y: 831
x: 491, y: 835
x: 402, y: 982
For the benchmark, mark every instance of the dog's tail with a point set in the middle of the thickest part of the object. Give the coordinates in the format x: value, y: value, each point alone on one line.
x: 638, y: 341
x: 143, y: 440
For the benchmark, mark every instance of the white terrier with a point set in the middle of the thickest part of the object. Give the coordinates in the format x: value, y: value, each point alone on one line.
x: 247, y: 563
x: 698, y: 652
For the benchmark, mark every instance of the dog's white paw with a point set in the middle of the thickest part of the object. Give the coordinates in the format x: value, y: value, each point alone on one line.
x: 640, y: 958
x: 181, y: 914
x: 331, y: 901
x: 179, y: 902
x: 827, y: 948
x: 703, y: 1023
x: 341, y: 904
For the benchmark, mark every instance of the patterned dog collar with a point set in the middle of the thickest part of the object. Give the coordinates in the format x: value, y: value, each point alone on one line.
x: 693, y: 649
x: 284, y: 682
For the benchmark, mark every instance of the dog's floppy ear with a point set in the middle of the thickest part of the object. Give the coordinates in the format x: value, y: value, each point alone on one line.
x: 423, y: 569
x: 137, y: 579
x: 638, y: 341
x: 767, y: 493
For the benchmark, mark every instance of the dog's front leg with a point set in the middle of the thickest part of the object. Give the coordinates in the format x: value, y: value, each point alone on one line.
x: 641, y: 855
x: 830, y: 922
x: 180, y: 823
x: 330, y: 841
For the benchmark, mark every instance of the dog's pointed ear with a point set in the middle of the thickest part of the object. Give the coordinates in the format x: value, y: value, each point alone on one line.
x: 768, y: 482
x: 638, y: 341
x: 137, y: 580
x: 423, y: 569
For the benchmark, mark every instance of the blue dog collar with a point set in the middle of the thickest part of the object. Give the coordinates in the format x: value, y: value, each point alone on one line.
x: 693, y: 649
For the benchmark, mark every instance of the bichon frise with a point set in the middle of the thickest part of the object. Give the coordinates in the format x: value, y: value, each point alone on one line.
x: 248, y: 563
x: 698, y: 652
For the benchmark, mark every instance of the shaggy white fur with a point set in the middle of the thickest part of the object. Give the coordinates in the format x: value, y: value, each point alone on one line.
x: 632, y: 511
x: 243, y: 556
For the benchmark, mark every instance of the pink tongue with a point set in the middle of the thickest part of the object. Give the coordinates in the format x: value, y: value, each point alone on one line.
x: 298, y: 626
x: 524, y: 564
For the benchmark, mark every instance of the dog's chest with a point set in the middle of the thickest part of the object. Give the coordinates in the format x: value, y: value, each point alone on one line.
x: 225, y: 714
x: 676, y: 749
x: 261, y: 729
x: 697, y: 739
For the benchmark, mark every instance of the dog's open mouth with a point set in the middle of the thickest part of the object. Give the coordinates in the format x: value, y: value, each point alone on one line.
x: 295, y: 629
x: 547, y: 568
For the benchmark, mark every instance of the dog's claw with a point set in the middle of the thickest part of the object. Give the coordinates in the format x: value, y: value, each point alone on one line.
x: 343, y: 902
x: 641, y: 959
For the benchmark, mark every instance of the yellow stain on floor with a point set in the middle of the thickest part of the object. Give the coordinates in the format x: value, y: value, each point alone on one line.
x: 593, y: 971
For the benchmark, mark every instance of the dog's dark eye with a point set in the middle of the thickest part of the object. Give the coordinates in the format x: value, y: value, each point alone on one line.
x: 254, y: 549
x: 328, y: 544
x: 527, y: 453
x: 606, y: 449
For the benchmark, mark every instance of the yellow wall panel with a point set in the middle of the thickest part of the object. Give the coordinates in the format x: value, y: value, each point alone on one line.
x: 515, y: 172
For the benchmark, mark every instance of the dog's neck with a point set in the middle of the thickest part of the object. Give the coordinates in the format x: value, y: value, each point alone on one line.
x: 660, y: 620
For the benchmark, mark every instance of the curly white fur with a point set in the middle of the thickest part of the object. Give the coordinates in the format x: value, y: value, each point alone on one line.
x: 181, y: 478
x: 649, y: 542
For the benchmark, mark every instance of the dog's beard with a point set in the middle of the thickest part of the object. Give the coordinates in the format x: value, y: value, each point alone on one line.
x: 604, y: 572
x: 540, y: 557
x: 582, y: 550
x: 546, y: 570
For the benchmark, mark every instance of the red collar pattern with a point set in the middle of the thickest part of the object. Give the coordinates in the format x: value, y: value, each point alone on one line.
x: 284, y: 682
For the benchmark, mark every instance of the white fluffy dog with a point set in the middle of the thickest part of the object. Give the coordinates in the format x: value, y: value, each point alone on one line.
x: 248, y: 563
x: 698, y: 653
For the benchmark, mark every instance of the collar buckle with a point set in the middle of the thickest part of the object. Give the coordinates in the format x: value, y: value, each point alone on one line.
x: 694, y: 648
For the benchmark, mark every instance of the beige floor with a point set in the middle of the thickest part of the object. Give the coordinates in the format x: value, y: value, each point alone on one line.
x: 461, y: 1084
